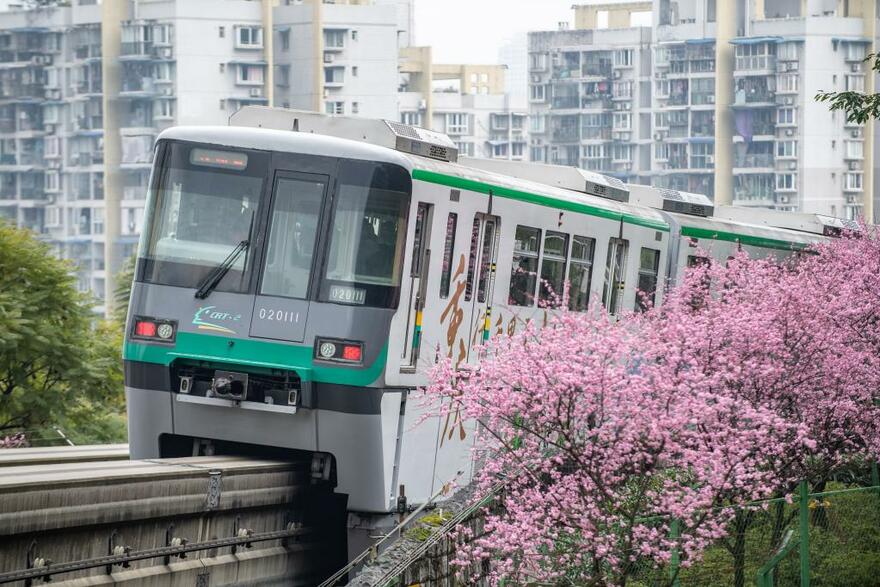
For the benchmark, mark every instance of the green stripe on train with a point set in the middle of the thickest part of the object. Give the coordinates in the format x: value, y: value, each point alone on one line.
x: 755, y: 241
x: 514, y: 194
x: 254, y: 353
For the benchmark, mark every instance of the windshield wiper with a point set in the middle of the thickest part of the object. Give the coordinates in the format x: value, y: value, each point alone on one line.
x: 213, y: 278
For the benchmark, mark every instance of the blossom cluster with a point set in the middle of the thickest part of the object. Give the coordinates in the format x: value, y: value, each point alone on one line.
x: 621, y: 442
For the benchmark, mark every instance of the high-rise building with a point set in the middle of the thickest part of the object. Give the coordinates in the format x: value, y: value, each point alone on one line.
x: 719, y: 99
x: 466, y: 102
x: 85, y: 88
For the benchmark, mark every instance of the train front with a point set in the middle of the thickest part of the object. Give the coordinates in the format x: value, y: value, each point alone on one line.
x: 267, y: 276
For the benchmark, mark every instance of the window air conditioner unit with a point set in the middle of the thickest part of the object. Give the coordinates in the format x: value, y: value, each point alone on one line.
x: 617, y: 74
x: 256, y: 92
x: 789, y: 100
x: 857, y: 133
x: 856, y: 67
x: 627, y: 105
x: 853, y: 165
x: 658, y: 136
x: 792, y: 165
x: 328, y: 57
x: 710, y: 159
x: 783, y: 199
x: 789, y: 132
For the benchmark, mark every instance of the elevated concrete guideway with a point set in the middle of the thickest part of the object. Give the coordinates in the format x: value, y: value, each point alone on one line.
x: 110, y: 521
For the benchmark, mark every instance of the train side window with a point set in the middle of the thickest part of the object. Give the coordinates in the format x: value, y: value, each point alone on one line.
x: 448, y: 250
x: 649, y: 267
x: 485, y: 261
x: 553, y: 267
x: 472, y: 259
x: 615, y: 275
x: 580, y: 273
x: 524, y: 271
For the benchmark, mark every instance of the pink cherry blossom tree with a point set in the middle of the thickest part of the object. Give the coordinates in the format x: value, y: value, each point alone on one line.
x: 618, y: 441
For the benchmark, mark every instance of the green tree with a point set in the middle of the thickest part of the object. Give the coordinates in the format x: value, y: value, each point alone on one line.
x: 858, y: 106
x: 59, y: 364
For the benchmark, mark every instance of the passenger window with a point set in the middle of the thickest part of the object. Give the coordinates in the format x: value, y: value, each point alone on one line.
x: 524, y: 272
x: 615, y: 275
x: 649, y: 267
x: 486, y: 260
x: 418, y: 239
x: 553, y: 267
x: 448, y: 250
x: 472, y: 260
x: 295, y: 211
x: 580, y: 273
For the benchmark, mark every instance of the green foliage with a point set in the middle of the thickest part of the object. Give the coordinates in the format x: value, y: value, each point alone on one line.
x: 427, y: 525
x: 59, y: 364
x: 859, y: 107
x: 122, y: 291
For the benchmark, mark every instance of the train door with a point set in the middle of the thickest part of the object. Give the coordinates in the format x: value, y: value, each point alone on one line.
x: 281, y: 306
x: 481, y: 279
x: 418, y: 276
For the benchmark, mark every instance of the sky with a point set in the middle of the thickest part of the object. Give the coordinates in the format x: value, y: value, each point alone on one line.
x: 471, y: 31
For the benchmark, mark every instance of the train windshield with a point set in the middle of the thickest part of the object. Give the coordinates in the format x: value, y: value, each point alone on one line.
x: 206, y: 203
x: 367, y: 234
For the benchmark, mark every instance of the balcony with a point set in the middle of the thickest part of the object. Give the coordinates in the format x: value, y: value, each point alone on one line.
x: 566, y: 72
x: 702, y: 98
x: 565, y: 103
x: 677, y: 100
x: 87, y: 52
x: 566, y: 135
x: 597, y: 70
x: 12, y: 90
x: 754, y: 161
x: 595, y: 133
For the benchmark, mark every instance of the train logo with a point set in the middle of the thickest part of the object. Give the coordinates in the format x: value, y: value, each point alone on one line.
x: 206, y: 317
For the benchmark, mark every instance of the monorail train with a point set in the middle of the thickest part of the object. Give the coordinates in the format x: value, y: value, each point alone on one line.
x: 297, y: 275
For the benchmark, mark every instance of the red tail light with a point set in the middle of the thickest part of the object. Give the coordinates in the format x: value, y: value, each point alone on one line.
x: 145, y: 328
x: 351, y: 352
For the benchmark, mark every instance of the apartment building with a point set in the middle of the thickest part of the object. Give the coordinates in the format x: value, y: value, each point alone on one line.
x: 726, y: 99
x: 79, y: 116
x: 467, y: 102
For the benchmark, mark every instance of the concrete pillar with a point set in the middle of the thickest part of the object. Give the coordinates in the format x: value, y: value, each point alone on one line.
x: 318, y: 47
x: 724, y: 122
x: 869, y: 18
x: 112, y: 15
x: 269, y: 49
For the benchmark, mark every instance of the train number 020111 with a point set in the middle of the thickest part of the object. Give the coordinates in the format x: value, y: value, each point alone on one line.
x: 279, y: 315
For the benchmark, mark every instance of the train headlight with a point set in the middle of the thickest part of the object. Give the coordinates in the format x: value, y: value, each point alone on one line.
x: 165, y: 331
x: 327, y: 350
x: 339, y: 351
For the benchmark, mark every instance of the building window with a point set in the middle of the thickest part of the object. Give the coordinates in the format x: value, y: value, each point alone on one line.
x: 786, y: 149
x: 448, y: 251
x: 788, y: 83
x: 516, y: 150
x: 855, y: 149
x: 53, y: 181
x: 538, y: 93
x: 334, y: 107
x: 524, y: 272
x: 457, y: 123
x: 334, y: 39
x: 334, y: 75
x: 785, y: 116
x: 786, y: 182
x: 465, y: 148
x: 649, y: 267
x: 164, y: 109
x: 411, y: 118
x: 250, y: 74
x: 285, y: 40
x: 538, y: 61
x: 623, y: 58
x: 500, y: 150
x: 622, y: 121
x: 355, y: 107
x: 855, y: 83
x: 249, y: 37
x: 538, y: 123
x: 852, y: 181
